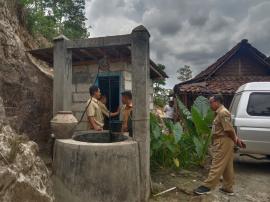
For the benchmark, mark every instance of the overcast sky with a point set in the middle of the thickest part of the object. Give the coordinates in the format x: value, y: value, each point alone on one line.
x: 185, y: 32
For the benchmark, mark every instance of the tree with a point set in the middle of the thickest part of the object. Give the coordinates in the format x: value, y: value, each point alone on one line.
x: 159, y: 84
x: 70, y: 16
x: 160, y: 92
x: 54, y: 17
x: 184, y: 73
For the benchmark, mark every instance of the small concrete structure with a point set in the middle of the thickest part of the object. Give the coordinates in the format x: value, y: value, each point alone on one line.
x: 140, y: 61
x: 96, y: 172
x: 117, y: 171
x: 78, y: 66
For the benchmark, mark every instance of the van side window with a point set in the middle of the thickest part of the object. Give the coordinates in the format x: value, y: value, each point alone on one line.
x: 259, y: 104
x: 235, y: 102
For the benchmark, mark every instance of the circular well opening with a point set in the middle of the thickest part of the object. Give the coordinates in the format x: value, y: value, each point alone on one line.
x: 98, y: 137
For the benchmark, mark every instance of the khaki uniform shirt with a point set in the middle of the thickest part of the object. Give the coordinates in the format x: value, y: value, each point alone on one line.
x: 94, y: 110
x: 104, y: 109
x: 222, y: 122
x: 125, y: 113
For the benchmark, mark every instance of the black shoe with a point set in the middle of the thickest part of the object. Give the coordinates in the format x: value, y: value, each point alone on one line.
x: 201, y: 190
x: 224, y: 191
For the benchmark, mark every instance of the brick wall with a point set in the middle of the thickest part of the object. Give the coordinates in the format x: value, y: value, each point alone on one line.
x: 84, y: 76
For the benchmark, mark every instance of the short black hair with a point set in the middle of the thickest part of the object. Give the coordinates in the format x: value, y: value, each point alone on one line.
x: 218, y: 98
x: 93, y: 89
x: 127, y: 94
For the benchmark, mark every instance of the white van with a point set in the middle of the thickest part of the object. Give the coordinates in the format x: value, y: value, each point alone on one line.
x: 250, y: 111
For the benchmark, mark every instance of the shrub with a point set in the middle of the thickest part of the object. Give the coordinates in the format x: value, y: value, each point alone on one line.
x: 175, y: 145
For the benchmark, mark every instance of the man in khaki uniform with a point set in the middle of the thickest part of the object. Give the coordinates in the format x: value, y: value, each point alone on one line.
x: 94, y: 112
x: 126, y: 112
x: 106, y: 113
x: 102, y: 104
x: 223, y: 140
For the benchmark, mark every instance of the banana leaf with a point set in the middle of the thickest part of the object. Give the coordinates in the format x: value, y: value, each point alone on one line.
x: 209, y: 117
x: 202, y: 105
x: 186, y: 118
x: 200, y: 124
x: 175, y: 129
x: 184, y: 112
x: 155, y: 130
x: 177, y: 132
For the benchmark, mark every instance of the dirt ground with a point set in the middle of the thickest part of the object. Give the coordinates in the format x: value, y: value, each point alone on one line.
x: 252, y: 184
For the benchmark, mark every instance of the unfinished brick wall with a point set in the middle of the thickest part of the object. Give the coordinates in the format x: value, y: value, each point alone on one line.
x: 84, y: 76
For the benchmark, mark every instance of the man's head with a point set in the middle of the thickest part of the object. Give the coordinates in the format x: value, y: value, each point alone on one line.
x: 103, y: 99
x: 94, y: 92
x: 216, y: 101
x: 126, y: 97
x: 171, y: 102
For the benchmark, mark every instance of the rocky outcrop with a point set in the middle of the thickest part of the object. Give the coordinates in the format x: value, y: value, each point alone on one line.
x: 24, y: 176
x: 26, y: 88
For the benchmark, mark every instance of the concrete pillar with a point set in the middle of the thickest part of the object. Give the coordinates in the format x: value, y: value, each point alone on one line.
x: 140, y: 114
x: 62, y: 82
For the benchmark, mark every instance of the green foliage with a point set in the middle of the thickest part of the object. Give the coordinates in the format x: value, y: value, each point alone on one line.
x: 173, y: 145
x: 202, y: 105
x: 164, y: 147
x: 198, y: 128
x: 54, y: 17
x: 200, y: 125
x: 159, y: 101
x: 37, y: 23
x: 160, y: 93
x: 184, y: 73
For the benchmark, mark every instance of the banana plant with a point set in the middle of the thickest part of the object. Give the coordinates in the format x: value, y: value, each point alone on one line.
x: 185, y: 144
x: 164, y: 146
x: 198, y: 126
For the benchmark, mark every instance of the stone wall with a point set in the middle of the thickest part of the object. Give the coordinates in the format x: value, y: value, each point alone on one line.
x: 25, y: 84
x: 24, y: 176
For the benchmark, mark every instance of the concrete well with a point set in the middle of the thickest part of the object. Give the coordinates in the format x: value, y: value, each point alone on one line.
x: 84, y: 170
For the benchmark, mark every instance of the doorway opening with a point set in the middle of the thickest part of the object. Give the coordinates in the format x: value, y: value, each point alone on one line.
x: 110, y: 87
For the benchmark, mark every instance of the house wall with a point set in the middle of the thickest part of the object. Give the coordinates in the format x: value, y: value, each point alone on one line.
x: 85, y: 75
x: 242, y: 65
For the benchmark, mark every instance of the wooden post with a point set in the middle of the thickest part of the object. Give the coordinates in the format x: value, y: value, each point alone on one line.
x: 62, y: 82
x: 140, y: 90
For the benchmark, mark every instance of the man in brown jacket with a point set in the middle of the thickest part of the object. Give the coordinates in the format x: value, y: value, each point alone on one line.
x: 223, y: 140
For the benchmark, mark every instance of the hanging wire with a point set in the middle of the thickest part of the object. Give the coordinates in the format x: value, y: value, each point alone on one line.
x: 90, y: 99
x: 110, y: 107
x: 104, y: 65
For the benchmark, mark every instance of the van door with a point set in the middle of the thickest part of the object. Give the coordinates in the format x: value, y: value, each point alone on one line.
x: 254, y: 126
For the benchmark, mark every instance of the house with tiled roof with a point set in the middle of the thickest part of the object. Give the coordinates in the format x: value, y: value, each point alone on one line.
x: 242, y: 64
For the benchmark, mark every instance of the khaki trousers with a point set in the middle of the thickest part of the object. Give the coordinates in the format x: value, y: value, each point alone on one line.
x: 222, y: 164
